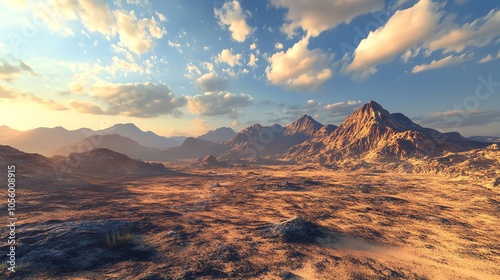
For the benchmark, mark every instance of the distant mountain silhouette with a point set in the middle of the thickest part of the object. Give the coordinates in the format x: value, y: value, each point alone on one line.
x: 487, y: 139
x: 113, y: 142
x: 218, y: 135
x: 145, y: 138
x: 6, y: 132
x: 47, y: 140
x: 193, y: 148
x: 269, y: 141
x: 372, y: 132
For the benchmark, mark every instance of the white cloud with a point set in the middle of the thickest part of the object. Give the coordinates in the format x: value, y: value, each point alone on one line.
x: 444, y: 62
x: 96, y: 16
x: 300, y: 68
x: 137, y: 34
x: 208, y: 66
x: 8, y: 72
x: 253, y: 60
x: 193, y: 71
x: 211, y: 82
x: 229, y: 58
x: 161, y: 17
x: 174, y: 45
x: 385, y: 43
x: 278, y: 46
x: 85, y: 107
x: 410, y: 53
x: 489, y: 58
x: 478, y: 33
x: 218, y: 103
x: 316, y: 16
x: 253, y: 46
x: 231, y: 14
x: 206, y: 48
x: 146, y: 100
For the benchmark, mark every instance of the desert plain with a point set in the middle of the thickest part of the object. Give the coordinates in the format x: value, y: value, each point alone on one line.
x: 260, y: 221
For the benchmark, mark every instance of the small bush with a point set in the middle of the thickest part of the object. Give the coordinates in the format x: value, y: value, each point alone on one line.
x: 119, y: 239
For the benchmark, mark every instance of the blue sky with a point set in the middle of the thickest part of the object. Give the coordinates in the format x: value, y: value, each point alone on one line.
x: 184, y: 67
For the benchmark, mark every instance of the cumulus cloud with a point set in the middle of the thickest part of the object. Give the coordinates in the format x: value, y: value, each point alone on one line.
x: 300, y: 68
x: 211, y: 82
x: 95, y: 15
x: 316, y: 16
x: 219, y: 103
x: 444, y: 62
x: 208, y: 66
x: 85, y: 107
x: 193, y: 71
x: 229, y: 58
x: 314, y: 107
x: 384, y: 44
x: 8, y: 72
x: 253, y: 46
x: 478, y: 33
x: 278, y: 46
x: 231, y: 15
x: 253, y: 60
x: 136, y: 34
x: 427, y: 28
x: 146, y: 100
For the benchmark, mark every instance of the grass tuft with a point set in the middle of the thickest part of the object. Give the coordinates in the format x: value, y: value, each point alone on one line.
x: 119, y: 239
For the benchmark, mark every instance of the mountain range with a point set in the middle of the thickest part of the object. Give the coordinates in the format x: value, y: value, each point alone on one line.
x: 371, y: 132
x: 269, y: 141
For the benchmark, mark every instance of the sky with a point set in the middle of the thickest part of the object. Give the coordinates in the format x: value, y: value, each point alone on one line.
x: 183, y: 67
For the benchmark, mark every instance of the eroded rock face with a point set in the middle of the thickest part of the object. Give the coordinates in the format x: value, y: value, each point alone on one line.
x: 69, y: 246
x: 209, y: 161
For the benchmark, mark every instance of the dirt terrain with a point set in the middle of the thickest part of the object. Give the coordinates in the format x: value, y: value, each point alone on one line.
x: 260, y: 222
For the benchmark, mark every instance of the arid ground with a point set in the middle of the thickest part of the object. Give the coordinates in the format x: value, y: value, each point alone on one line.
x: 222, y: 222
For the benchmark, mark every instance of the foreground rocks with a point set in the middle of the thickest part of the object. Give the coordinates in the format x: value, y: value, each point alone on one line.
x: 58, y: 247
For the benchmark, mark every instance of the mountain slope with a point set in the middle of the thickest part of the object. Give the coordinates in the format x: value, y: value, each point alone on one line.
x: 270, y: 141
x: 112, y: 142
x: 193, y: 148
x: 6, y: 132
x: 219, y: 135
x: 372, y: 132
x: 314, y: 144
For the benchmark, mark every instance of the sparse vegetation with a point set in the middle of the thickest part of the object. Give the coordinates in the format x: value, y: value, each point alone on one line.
x: 119, y: 239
